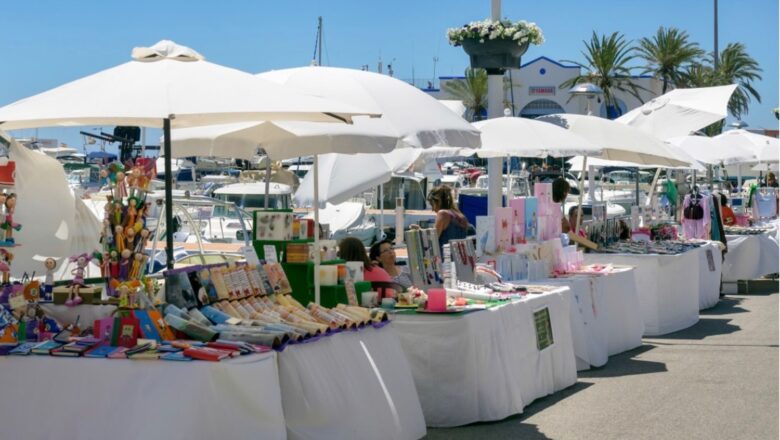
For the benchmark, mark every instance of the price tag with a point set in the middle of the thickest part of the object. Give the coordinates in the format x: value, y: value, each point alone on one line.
x: 250, y: 255
x: 270, y: 253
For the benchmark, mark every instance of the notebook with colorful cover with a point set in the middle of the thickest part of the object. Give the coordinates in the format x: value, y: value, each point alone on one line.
x: 100, y: 351
x: 118, y: 353
x: 146, y: 326
x: 23, y: 349
x: 165, y: 331
x: 126, y: 332
x: 176, y: 356
x: 206, y: 353
x: 64, y: 353
x: 45, y: 347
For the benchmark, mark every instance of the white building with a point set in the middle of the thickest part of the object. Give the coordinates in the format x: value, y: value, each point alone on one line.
x: 535, y: 90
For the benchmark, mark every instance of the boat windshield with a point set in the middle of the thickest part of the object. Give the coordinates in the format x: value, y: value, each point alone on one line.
x: 256, y: 201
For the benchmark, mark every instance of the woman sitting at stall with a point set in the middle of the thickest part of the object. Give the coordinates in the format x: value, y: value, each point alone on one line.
x: 572, y: 221
x: 560, y: 190
x: 352, y: 249
x: 384, y: 255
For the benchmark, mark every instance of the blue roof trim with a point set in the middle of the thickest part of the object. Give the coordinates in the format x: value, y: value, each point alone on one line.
x: 549, y: 60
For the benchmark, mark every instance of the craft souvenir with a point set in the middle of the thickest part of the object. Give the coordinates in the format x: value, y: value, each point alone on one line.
x: 5, y: 265
x: 464, y: 257
x: 424, y: 258
x: 503, y: 229
x: 48, y: 281
x: 518, y: 220
x: 9, y: 225
x: 82, y: 261
x: 531, y: 220
x: 486, y: 236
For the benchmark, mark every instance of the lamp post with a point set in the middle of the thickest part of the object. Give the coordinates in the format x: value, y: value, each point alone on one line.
x: 589, y: 91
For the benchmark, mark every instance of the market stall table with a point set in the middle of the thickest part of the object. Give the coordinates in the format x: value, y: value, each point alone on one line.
x: 606, y: 318
x: 46, y: 398
x: 485, y: 365
x: 751, y: 256
x: 354, y: 384
x: 668, y: 286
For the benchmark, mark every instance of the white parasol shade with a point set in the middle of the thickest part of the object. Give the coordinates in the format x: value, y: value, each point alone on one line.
x: 280, y: 139
x: 168, y: 81
x: 341, y: 177
x: 758, y: 144
x: 521, y: 137
x: 619, y: 142
x: 712, y: 151
x: 414, y: 117
x: 681, y: 111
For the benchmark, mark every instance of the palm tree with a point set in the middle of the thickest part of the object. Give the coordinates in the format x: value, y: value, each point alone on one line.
x: 607, y: 66
x: 667, y: 53
x: 472, y: 91
x: 736, y: 66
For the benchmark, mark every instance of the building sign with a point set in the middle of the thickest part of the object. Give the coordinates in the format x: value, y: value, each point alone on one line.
x: 541, y: 90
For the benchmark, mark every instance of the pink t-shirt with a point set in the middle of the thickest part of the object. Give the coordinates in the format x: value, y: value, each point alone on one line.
x: 378, y: 274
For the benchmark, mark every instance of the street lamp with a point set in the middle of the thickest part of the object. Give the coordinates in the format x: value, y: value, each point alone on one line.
x: 587, y: 90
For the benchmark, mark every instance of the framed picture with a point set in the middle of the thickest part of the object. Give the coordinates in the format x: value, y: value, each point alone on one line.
x: 273, y: 225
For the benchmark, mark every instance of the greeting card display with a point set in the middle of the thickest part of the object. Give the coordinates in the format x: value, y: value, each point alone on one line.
x: 486, y: 234
x: 424, y: 258
x: 464, y: 256
x: 277, y: 278
x: 503, y: 229
x: 531, y: 219
x: 273, y: 225
x: 518, y: 220
x: 543, y: 194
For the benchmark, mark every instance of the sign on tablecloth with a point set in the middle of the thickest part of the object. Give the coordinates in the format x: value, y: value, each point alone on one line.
x: 544, y: 334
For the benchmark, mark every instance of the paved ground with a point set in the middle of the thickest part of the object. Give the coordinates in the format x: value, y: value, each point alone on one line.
x: 715, y: 380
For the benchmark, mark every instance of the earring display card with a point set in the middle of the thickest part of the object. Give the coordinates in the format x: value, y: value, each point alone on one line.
x: 424, y: 258
x: 273, y: 225
x: 503, y: 229
x: 277, y: 278
x: 486, y: 234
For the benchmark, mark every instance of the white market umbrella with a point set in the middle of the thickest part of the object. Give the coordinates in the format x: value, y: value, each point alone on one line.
x: 757, y: 144
x: 681, y: 111
x: 414, y: 117
x: 769, y: 153
x: 455, y: 105
x: 279, y: 139
x: 168, y: 86
x: 711, y: 150
x: 521, y: 137
x: 618, y: 141
x: 342, y: 176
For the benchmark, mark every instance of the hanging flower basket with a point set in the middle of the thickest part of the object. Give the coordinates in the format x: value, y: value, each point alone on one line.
x: 494, y: 54
x: 495, y: 45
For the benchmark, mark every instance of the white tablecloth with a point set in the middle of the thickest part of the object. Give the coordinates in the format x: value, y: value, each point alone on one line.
x: 606, y: 318
x: 750, y: 256
x: 485, y: 365
x: 668, y: 287
x: 710, y: 270
x: 43, y: 397
x: 353, y: 385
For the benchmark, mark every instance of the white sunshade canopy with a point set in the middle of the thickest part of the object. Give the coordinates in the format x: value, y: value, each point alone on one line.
x: 280, y: 140
x: 710, y: 150
x: 681, y: 111
x: 414, y: 117
x: 342, y: 176
x: 521, y: 137
x: 761, y: 146
x: 169, y: 81
x: 619, y: 142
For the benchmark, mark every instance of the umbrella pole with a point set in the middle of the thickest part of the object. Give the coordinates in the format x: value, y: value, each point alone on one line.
x: 315, y: 170
x: 652, y: 186
x: 739, y: 179
x: 637, y: 186
x: 267, y: 180
x: 168, y: 194
x: 582, y: 190
x: 381, y: 210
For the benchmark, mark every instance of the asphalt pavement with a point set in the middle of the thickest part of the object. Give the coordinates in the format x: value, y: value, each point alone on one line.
x: 715, y: 380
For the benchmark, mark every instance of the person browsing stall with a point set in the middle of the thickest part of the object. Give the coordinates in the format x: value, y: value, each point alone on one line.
x: 771, y: 180
x: 450, y: 224
x: 729, y: 219
x: 383, y: 254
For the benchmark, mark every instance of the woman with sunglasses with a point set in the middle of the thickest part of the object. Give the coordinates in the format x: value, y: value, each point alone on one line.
x: 384, y: 254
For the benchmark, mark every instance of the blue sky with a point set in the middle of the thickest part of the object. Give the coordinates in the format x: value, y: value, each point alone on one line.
x: 49, y: 42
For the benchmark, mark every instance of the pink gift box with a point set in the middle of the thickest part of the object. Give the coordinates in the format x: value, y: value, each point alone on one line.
x: 742, y: 219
